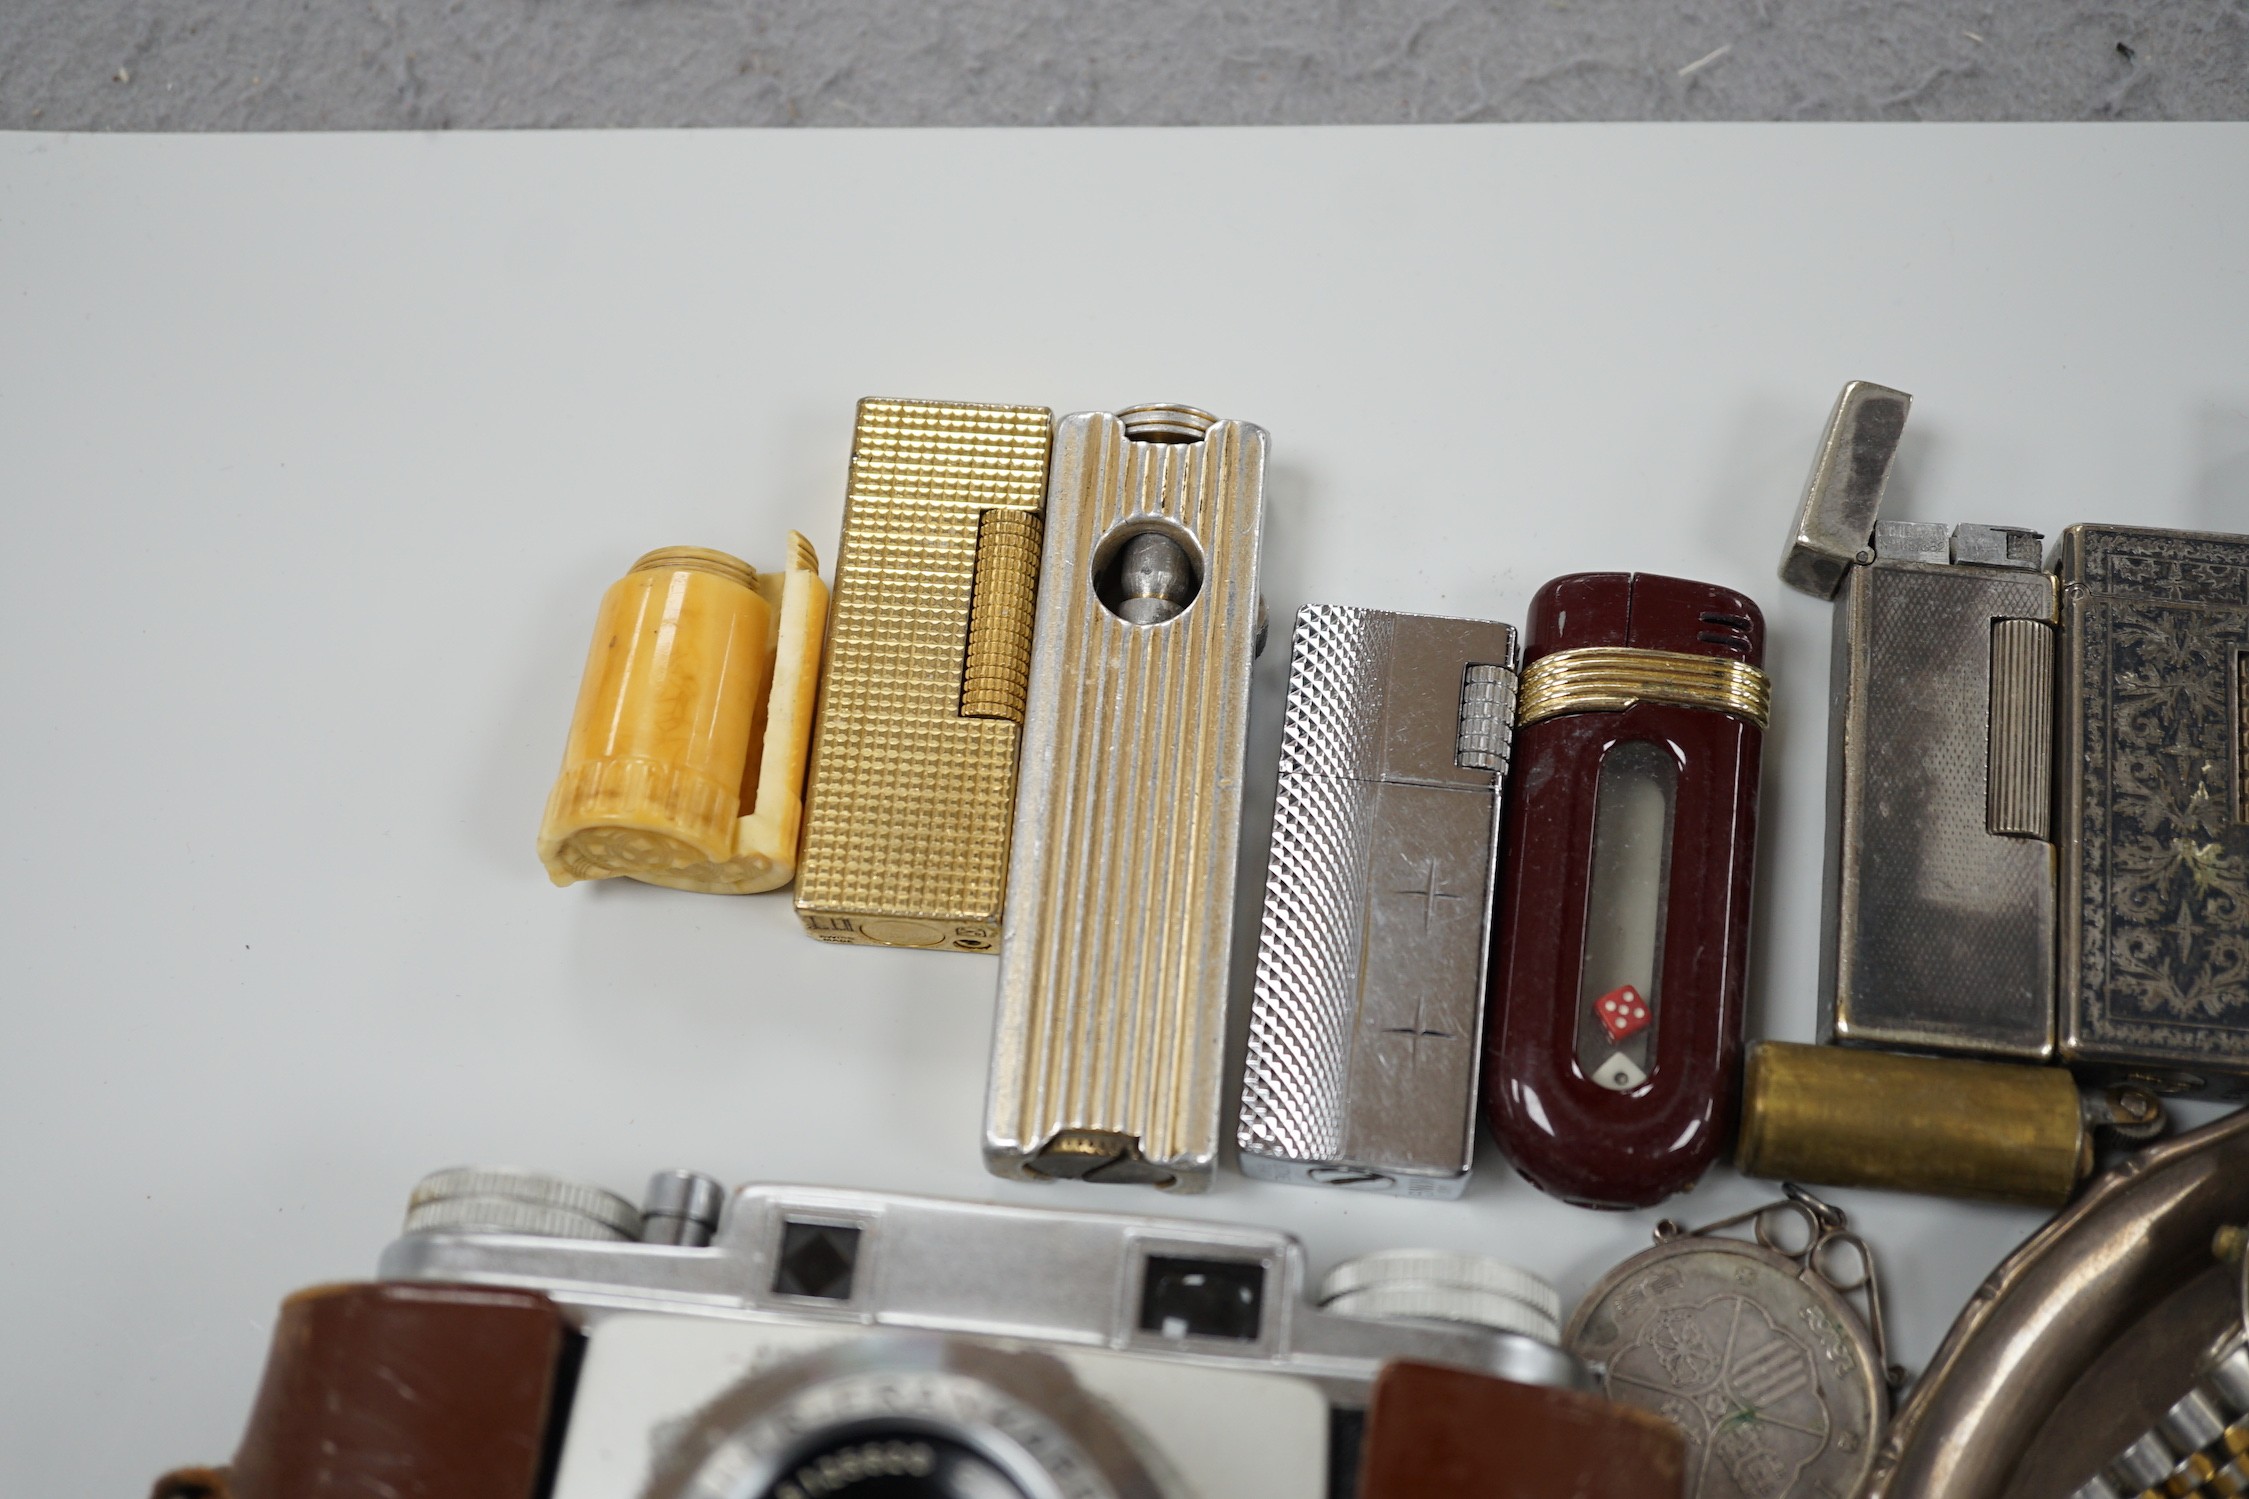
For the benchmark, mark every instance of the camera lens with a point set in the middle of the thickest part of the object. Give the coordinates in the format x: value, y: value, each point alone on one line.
x: 891, y: 1462
x: 908, y: 1416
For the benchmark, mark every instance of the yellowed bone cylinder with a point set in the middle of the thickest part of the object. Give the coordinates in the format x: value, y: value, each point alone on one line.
x: 652, y: 776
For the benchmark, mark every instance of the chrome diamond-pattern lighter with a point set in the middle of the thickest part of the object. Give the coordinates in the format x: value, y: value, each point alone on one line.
x: 1367, y: 1019
x: 1109, y: 1043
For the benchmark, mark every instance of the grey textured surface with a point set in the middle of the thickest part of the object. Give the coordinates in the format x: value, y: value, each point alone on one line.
x: 380, y: 64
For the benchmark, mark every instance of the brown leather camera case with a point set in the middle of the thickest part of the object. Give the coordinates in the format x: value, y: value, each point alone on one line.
x: 418, y: 1391
x: 1433, y: 1431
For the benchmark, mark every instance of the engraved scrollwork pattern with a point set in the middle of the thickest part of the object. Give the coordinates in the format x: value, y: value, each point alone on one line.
x: 2166, y: 930
x: 1744, y: 1388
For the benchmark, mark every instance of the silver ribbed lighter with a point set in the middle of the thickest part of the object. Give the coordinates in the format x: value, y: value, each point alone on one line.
x: 2038, y: 837
x: 1368, y: 1017
x: 1109, y: 1039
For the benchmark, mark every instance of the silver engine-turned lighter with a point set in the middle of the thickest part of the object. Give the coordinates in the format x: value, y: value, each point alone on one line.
x: 1109, y: 1040
x: 1367, y: 1021
x: 2038, y: 839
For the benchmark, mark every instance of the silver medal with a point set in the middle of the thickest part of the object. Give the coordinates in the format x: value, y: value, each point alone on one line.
x: 1751, y: 1349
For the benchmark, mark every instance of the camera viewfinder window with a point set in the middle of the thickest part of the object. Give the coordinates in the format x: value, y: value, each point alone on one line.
x: 817, y: 1259
x: 1183, y: 1298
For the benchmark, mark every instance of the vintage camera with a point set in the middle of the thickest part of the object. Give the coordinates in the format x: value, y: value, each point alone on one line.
x: 2038, y: 794
x: 531, y: 1338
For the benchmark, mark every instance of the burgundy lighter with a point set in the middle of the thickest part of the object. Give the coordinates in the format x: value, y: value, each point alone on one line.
x: 1614, y: 1045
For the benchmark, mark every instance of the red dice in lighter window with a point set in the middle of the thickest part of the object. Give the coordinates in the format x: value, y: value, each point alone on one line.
x: 1623, y: 1012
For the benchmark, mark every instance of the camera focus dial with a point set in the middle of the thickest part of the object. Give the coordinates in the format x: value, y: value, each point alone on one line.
x: 507, y: 1200
x: 1430, y: 1285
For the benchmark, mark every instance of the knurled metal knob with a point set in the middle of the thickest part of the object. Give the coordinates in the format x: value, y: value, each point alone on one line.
x: 1166, y: 421
x: 681, y: 1207
x: 1429, y: 1284
x: 502, y: 1199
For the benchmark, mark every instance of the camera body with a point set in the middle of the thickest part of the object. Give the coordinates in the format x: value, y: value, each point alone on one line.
x: 826, y: 1341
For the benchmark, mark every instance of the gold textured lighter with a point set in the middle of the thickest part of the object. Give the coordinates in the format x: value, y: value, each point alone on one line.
x: 911, y: 792
x: 1110, y: 1037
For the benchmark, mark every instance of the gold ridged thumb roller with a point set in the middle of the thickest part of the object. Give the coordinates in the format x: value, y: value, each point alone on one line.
x: 685, y: 764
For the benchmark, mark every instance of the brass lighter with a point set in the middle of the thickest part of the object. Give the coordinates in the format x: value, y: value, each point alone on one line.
x: 911, y: 794
x: 1109, y: 1042
x: 685, y: 762
x: 1844, y: 1117
x: 2038, y: 841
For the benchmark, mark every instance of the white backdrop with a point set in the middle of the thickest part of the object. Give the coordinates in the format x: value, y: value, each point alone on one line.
x: 317, y: 452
